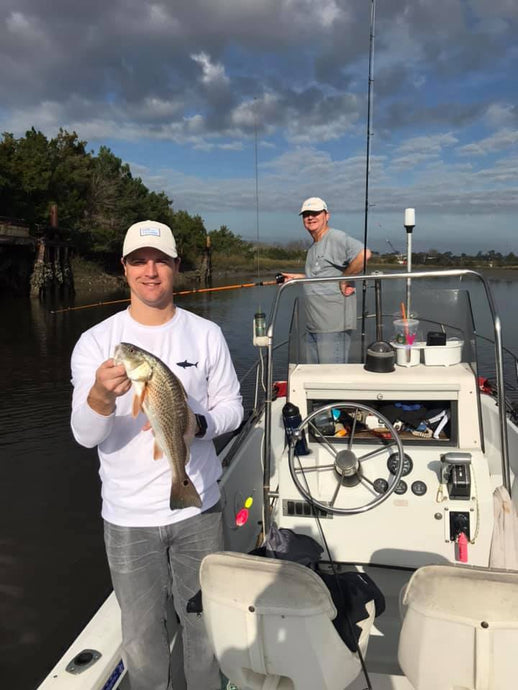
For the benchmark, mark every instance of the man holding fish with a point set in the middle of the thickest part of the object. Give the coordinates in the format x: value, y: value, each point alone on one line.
x: 158, y: 465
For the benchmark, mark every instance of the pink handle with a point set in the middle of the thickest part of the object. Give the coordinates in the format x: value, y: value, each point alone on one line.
x: 462, y: 548
x: 242, y: 517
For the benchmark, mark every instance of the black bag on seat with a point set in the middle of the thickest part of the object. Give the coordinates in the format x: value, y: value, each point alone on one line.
x: 350, y: 591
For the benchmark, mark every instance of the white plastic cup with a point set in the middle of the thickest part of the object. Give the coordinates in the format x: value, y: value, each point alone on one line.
x: 407, y: 356
x: 403, y: 328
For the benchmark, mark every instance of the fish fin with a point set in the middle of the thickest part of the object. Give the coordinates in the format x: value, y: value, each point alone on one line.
x: 192, y: 427
x: 138, y: 402
x: 157, y: 451
x: 184, y: 494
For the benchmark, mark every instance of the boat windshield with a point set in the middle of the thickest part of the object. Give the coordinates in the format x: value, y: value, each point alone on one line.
x: 440, y: 317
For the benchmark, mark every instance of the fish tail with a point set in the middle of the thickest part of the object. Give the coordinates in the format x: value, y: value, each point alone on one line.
x: 184, y: 494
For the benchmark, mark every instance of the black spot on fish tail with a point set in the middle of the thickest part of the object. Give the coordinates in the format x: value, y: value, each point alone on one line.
x: 184, y: 495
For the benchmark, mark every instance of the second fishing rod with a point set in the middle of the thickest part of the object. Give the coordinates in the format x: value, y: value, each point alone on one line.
x: 279, y: 278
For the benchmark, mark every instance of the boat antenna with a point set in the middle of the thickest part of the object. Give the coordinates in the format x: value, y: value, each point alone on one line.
x: 367, y: 167
x: 256, y: 185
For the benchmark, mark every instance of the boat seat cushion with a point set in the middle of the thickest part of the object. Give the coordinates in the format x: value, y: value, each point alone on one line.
x: 270, y: 624
x: 298, y: 590
x: 464, y: 593
x: 459, y: 629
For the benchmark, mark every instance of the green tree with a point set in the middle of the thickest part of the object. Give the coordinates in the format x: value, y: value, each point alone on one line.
x: 70, y: 178
x: 8, y: 184
x: 35, y: 172
x: 225, y: 241
x: 190, y: 234
x: 116, y: 200
x: 98, y: 199
x: 31, y: 171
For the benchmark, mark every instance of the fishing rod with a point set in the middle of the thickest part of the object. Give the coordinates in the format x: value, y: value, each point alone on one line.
x: 367, y: 166
x: 279, y: 278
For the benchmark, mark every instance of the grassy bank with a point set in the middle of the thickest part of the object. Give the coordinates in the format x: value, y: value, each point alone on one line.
x: 90, y: 277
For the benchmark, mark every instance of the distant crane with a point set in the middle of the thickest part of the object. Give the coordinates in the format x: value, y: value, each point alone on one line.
x: 400, y: 258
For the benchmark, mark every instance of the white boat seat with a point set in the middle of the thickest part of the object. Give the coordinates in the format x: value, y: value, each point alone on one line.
x: 460, y: 630
x: 270, y: 625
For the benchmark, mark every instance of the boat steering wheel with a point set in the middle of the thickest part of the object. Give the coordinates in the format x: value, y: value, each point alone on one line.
x: 347, y: 465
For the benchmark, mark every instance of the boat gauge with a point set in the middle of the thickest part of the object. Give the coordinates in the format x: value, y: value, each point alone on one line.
x: 392, y: 464
x: 380, y: 485
x: 401, y: 488
x: 419, y: 488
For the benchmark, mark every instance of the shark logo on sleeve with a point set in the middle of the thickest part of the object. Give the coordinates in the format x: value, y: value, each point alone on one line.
x: 185, y: 364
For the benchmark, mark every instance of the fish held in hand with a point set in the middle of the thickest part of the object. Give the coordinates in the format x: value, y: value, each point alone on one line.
x: 161, y: 396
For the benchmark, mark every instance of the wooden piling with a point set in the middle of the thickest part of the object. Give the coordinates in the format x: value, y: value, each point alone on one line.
x: 206, y: 264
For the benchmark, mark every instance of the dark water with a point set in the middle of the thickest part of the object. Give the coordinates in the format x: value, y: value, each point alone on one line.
x: 53, y: 575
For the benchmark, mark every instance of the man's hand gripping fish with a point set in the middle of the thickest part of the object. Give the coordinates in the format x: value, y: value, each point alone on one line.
x: 161, y: 396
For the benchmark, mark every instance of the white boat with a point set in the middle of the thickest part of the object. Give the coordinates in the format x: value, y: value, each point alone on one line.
x: 408, y: 474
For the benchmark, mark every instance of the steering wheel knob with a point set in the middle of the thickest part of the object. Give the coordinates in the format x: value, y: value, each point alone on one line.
x: 348, y: 467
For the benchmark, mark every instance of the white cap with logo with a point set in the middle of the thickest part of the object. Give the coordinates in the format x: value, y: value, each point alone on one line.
x: 314, y: 203
x: 150, y: 233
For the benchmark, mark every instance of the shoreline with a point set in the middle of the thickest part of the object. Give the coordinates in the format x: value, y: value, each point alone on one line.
x: 89, y: 277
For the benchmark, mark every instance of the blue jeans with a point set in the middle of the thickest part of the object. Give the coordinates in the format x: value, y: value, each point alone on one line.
x: 147, y: 565
x: 328, y: 348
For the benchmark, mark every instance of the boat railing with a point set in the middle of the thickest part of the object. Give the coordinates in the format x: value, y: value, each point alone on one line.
x: 252, y: 413
x: 381, y: 278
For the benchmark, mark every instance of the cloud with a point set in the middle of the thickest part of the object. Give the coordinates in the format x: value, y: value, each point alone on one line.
x: 429, y: 145
x: 499, y: 141
x: 205, y: 77
x: 213, y: 74
x: 208, y: 58
x: 502, y: 115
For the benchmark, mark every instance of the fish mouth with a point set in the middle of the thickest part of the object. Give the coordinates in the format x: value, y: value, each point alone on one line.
x: 121, y: 352
x: 117, y: 354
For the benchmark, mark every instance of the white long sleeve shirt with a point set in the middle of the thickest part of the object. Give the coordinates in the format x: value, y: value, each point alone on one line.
x: 136, y: 488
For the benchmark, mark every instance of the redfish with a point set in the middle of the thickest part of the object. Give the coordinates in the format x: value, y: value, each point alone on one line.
x: 161, y: 396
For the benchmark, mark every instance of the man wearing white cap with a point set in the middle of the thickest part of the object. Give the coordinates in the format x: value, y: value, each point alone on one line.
x: 154, y: 550
x: 330, y: 307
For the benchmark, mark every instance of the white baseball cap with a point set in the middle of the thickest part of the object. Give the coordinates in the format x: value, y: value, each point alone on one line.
x: 314, y: 203
x: 150, y: 233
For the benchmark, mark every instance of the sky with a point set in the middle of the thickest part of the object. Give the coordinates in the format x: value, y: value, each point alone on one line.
x: 240, y: 109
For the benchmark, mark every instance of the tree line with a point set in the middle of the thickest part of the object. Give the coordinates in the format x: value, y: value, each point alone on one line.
x: 448, y: 259
x: 98, y: 198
